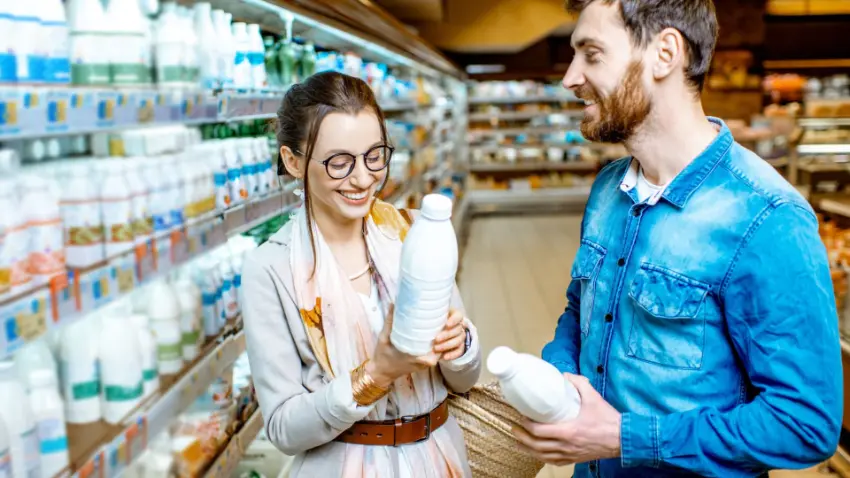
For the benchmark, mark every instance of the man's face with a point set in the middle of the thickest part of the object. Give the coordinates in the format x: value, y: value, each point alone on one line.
x: 607, y: 73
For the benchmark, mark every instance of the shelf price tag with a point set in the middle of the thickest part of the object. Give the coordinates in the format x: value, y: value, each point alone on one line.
x: 106, y: 105
x: 24, y: 320
x: 146, y: 109
x: 125, y: 275
x: 145, y: 265
x: 92, y: 468
x: 126, y: 108
x: 62, y: 300
x: 179, y: 247
x: 82, y: 109
x: 58, y: 105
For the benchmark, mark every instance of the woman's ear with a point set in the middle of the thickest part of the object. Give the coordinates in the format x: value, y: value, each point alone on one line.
x: 293, y: 166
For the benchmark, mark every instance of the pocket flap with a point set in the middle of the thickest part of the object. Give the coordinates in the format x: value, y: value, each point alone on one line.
x: 667, y: 294
x: 588, y: 257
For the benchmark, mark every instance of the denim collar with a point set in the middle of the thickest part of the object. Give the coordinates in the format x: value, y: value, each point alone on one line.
x: 689, y: 179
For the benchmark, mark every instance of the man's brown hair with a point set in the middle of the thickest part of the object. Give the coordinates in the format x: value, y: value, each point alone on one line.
x: 696, y: 20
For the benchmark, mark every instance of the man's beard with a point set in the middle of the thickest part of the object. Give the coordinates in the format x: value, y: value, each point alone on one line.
x: 621, y: 113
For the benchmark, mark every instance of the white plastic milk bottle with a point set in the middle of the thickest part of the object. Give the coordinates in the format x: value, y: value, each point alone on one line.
x: 426, y: 279
x: 534, y: 387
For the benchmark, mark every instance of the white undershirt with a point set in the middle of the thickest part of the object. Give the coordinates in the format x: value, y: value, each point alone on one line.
x: 646, y: 189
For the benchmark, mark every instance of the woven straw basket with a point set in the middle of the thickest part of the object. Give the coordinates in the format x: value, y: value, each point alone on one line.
x: 486, y: 420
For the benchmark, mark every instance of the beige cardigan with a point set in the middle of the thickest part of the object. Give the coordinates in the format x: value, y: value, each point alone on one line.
x: 301, y: 407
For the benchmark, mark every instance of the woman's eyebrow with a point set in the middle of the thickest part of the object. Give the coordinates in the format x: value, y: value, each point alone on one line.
x: 337, y: 151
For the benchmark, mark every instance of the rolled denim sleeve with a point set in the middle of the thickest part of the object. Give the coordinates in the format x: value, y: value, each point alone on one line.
x: 781, y: 317
x: 563, y: 351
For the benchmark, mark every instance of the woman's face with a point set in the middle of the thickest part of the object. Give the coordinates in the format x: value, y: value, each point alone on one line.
x: 351, y: 197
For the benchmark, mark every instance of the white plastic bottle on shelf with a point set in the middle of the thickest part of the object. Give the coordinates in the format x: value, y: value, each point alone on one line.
x: 213, y: 270
x: 29, y: 35
x: 191, y: 329
x: 5, y: 451
x: 121, y: 373
x: 257, y: 57
x: 534, y: 387
x: 225, y: 50
x: 40, y: 200
x: 8, y: 44
x: 241, y: 65
x: 14, y: 241
x: 208, y: 47
x: 55, y: 24
x: 191, y: 60
x: 48, y: 410
x: 426, y: 277
x: 229, y: 294
x: 128, y: 47
x: 238, y: 191
x: 117, y: 207
x: 218, y: 165
x: 89, y: 32
x: 140, y: 198
x: 34, y: 357
x: 248, y: 159
x: 80, y: 372
x: 209, y: 298
x: 186, y: 174
x: 20, y: 425
x: 147, y: 346
x: 159, y: 198
x: 164, y: 313
x: 168, y: 41
x: 173, y: 192
x: 81, y: 216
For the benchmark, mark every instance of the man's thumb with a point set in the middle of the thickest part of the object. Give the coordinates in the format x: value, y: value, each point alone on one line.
x: 581, y: 383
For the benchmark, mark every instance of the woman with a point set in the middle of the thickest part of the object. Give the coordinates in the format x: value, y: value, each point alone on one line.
x: 332, y: 388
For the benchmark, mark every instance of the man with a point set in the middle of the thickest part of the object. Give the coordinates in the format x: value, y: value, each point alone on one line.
x: 701, y: 323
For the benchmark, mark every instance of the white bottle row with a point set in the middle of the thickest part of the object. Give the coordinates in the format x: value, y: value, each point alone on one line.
x: 82, y: 211
x: 117, y: 42
x: 104, y: 365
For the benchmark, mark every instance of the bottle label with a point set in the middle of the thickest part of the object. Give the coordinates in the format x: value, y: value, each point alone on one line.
x: 58, y: 67
x: 117, y: 216
x: 149, y: 374
x: 82, y: 222
x: 8, y: 67
x: 169, y: 63
x: 5, y: 464
x: 256, y: 59
x: 190, y: 338
x: 31, y: 452
x: 52, y: 437
x: 169, y: 352
x: 47, y: 256
x: 176, y: 217
x: 120, y: 393
x: 170, y: 74
x: 233, y: 174
x: 81, y: 383
x: 89, y: 59
x: 126, y: 66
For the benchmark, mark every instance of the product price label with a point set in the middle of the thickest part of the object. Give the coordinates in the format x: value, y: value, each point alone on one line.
x: 106, y: 105
x: 93, y: 467
x: 62, y: 297
x: 145, y: 264
x: 125, y: 278
x: 98, y: 285
x: 126, y: 108
x: 82, y: 110
x: 58, y: 106
x: 179, y: 248
x: 9, y: 107
x: 25, y: 320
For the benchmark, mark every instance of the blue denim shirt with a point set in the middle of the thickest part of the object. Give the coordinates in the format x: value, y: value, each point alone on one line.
x: 707, y: 319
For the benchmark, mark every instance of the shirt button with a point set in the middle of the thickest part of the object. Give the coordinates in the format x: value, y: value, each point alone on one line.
x: 609, y: 318
x: 621, y: 262
x: 600, y: 369
x: 636, y: 212
x: 592, y: 467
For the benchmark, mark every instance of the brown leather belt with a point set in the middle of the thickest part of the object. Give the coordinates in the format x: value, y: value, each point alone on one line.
x: 401, y: 431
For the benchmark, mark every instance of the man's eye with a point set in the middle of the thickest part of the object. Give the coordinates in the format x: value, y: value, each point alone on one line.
x: 592, y: 57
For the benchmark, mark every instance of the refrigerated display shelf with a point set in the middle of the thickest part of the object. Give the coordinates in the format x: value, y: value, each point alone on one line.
x: 111, y: 449
x: 822, y: 122
x: 483, y: 168
x: 477, y: 100
x: 483, y: 201
x: 492, y: 148
x: 33, y: 112
x: 521, y: 115
x: 229, y: 458
x: 824, y: 148
x: 28, y: 315
x: 834, y: 206
x: 518, y: 131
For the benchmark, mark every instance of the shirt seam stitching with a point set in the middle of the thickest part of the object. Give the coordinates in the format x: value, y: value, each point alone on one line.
x: 751, y: 230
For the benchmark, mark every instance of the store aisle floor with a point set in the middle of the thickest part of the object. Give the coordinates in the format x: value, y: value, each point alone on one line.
x: 514, y: 277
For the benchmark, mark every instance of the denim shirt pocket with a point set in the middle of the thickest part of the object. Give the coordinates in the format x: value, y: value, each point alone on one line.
x: 586, y: 268
x: 668, y: 327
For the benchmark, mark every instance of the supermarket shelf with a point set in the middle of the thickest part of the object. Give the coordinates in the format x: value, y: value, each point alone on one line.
x: 483, y: 168
x: 492, y: 148
x: 835, y: 207
x: 519, y: 131
x: 229, y: 458
x: 82, y: 291
x: 46, y: 111
x: 112, y: 458
x: 477, y: 100
x: 822, y: 122
x: 484, y: 201
x: 824, y: 148
x: 824, y: 167
x: 521, y: 115
x: 392, y: 107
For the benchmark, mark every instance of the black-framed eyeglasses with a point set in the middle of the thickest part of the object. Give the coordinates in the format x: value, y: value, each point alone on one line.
x: 341, y: 165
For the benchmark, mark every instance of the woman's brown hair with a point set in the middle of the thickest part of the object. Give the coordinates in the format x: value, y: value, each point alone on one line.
x: 302, y: 111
